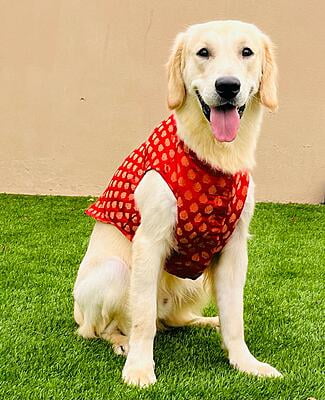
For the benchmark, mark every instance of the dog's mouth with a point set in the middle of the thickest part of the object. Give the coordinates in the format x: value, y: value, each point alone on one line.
x: 224, y: 119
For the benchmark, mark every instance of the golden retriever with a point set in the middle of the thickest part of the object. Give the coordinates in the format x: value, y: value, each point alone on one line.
x: 217, y: 72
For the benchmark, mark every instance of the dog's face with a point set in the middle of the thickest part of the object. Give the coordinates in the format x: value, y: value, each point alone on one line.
x: 222, y: 64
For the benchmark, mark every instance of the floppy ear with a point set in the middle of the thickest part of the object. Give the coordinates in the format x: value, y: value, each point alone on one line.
x: 176, y: 87
x: 268, y: 85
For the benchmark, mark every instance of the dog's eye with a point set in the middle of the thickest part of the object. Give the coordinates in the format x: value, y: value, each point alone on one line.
x: 203, y: 53
x: 247, y: 52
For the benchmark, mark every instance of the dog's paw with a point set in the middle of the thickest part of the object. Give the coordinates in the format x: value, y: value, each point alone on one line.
x: 214, y: 322
x: 120, y: 343
x: 138, y: 375
x: 254, y: 367
x: 121, y: 349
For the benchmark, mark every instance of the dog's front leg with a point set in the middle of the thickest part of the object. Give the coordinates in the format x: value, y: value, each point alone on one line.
x: 146, y: 265
x: 229, y: 279
x: 151, y: 245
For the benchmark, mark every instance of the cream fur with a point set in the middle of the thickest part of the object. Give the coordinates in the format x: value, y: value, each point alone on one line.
x: 233, y: 157
x: 122, y: 292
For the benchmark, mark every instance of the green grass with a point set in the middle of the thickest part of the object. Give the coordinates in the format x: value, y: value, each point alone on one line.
x: 42, y: 240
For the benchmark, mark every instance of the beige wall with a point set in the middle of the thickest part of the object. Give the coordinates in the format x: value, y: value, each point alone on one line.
x: 54, y: 54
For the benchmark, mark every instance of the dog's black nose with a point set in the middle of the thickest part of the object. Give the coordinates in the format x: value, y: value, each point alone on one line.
x: 227, y: 87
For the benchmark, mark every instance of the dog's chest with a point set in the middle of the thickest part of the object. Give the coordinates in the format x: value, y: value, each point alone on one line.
x: 209, y: 202
x: 209, y: 205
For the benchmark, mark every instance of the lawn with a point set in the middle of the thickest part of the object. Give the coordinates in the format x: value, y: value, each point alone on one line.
x: 42, y: 240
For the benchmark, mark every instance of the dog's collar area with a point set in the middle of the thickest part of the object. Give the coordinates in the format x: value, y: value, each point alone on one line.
x: 207, y: 110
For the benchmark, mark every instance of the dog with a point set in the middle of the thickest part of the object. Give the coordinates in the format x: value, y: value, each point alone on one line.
x: 172, y: 227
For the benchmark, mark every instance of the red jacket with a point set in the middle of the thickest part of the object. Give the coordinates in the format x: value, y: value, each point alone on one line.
x: 209, y: 201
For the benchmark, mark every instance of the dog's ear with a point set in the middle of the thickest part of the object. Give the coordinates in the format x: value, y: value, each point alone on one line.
x: 268, y: 85
x: 175, y: 65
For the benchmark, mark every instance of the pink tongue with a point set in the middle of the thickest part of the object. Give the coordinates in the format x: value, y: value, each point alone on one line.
x: 224, y: 124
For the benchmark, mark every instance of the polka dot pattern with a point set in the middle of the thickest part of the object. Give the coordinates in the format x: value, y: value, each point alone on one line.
x: 209, y: 202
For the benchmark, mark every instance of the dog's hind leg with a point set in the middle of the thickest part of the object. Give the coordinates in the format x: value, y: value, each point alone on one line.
x: 191, y: 319
x: 119, y: 341
x: 77, y: 314
x: 101, y: 287
x: 180, y: 302
x: 196, y: 320
x: 101, y: 298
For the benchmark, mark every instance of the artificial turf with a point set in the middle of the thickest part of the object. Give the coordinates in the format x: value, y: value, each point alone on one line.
x: 42, y: 240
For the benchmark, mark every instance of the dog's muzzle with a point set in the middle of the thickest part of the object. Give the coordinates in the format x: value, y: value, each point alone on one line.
x: 223, y: 107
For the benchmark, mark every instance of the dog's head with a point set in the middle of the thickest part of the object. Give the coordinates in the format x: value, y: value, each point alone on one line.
x: 223, y: 65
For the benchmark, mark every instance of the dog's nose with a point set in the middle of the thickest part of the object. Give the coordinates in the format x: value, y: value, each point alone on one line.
x: 227, y: 87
